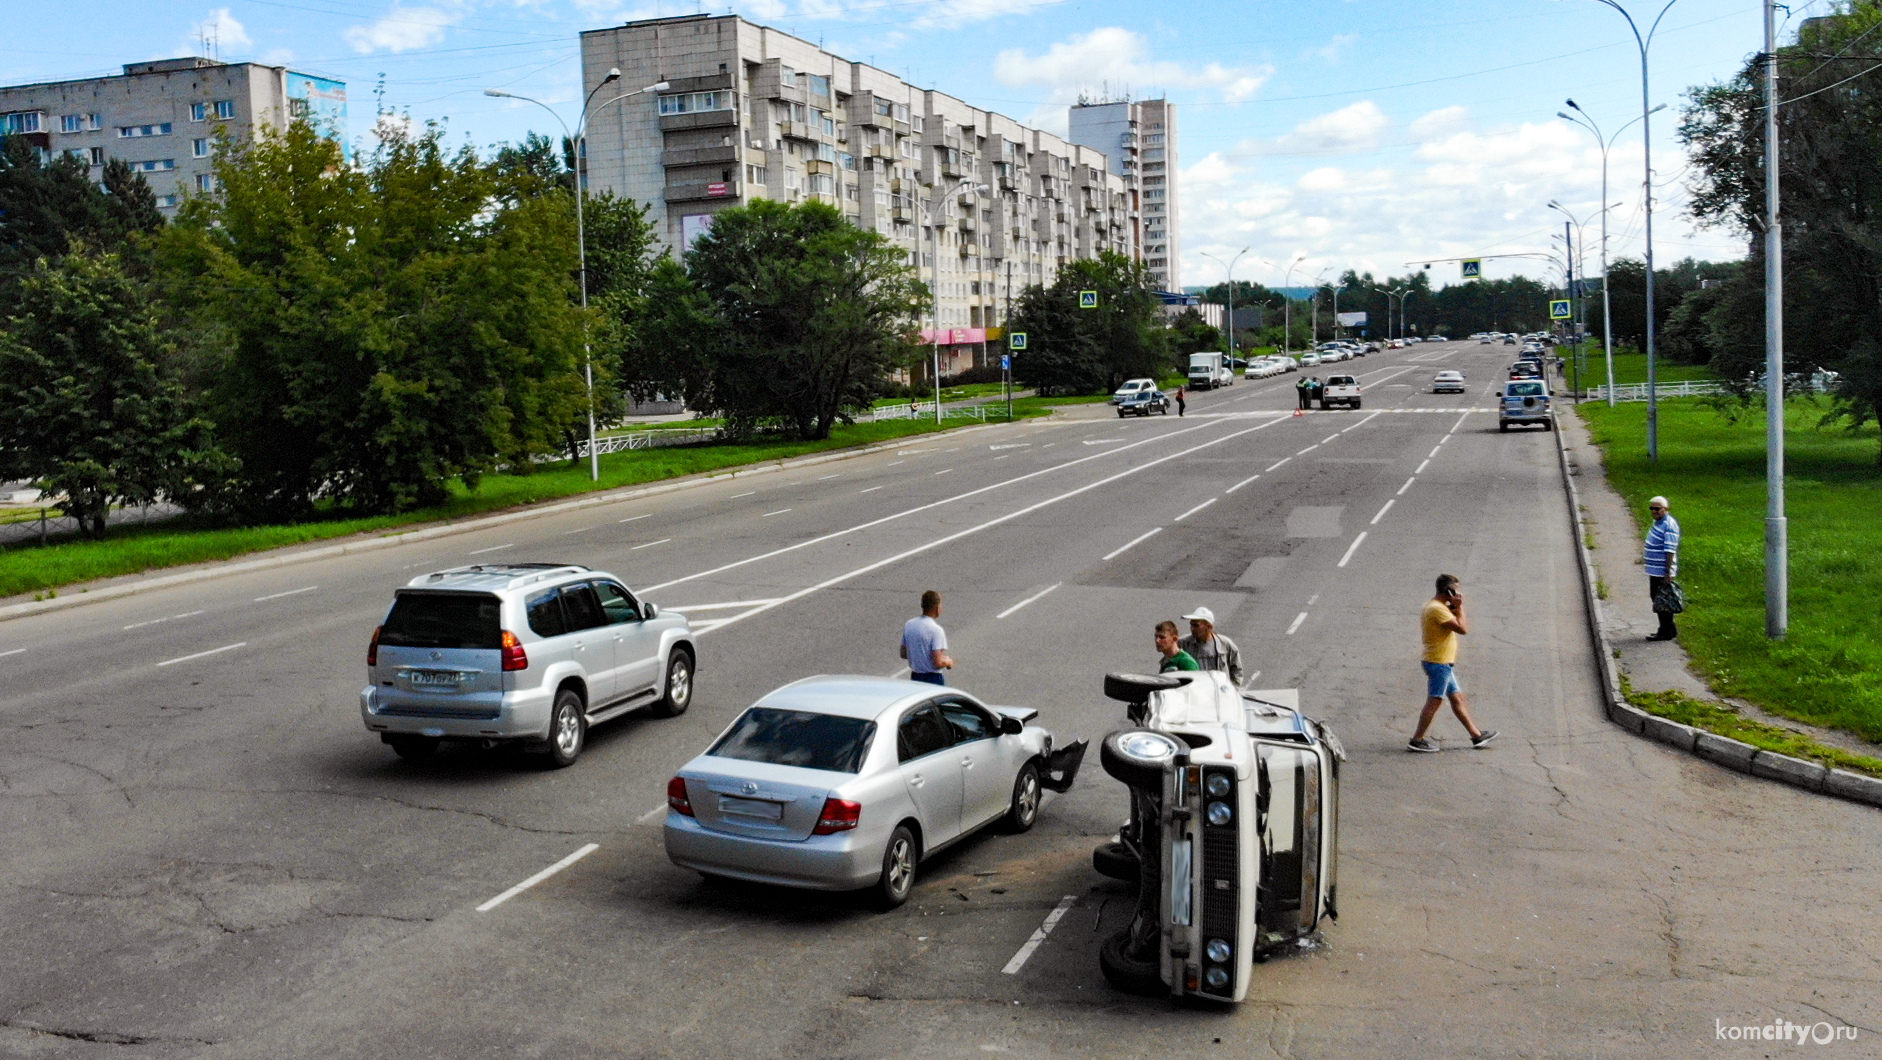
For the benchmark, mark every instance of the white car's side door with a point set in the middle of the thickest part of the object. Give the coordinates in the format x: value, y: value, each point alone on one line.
x: 931, y: 771
x: 986, y: 773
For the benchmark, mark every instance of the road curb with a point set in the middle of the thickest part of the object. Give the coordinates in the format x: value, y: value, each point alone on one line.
x: 1732, y: 754
x: 392, y: 539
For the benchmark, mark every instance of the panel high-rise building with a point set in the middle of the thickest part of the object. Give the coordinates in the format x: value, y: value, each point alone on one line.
x: 162, y: 117
x: 750, y: 112
x: 1140, y: 139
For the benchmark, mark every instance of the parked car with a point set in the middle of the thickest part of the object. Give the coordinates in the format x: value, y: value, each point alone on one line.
x: 843, y: 783
x: 531, y: 653
x: 1233, y: 837
x: 1309, y: 359
x: 1340, y: 390
x: 1143, y: 403
x: 1449, y: 381
x: 1525, y: 402
x: 1131, y: 387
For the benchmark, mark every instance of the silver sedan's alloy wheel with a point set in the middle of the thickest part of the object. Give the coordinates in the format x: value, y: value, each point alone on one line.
x: 898, y: 869
x: 1026, y: 795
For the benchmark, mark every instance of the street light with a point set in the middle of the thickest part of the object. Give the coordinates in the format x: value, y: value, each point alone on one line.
x: 1336, y: 309
x: 1581, y: 242
x: 1389, y: 295
x: 1287, y: 305
x: 1230, y: 269
x: 934, y: 240
x: 575, y: 140
x: 1646, y: 144
x: 1607, y: 311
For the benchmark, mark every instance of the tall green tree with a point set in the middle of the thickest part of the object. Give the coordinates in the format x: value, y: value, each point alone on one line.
x: 1083, y: 351
x: 44, y: 206
x: 784, y: 316
x: 90, y: 405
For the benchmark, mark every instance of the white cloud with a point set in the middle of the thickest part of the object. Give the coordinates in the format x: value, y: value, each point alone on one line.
x: 403, y: 29
x: 223, y: 33
x: 1351, y: 128
x: 1331, y: 53
x: 1441, y: 122
x: 1115, y: 58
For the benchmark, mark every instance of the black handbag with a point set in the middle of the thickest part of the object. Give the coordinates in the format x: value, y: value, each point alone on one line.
x: 1669, y: 598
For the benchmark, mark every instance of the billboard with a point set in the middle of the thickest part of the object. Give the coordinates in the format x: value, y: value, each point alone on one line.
x: 322, y: 101
x: 1352, y: 320
x: 692, y: 226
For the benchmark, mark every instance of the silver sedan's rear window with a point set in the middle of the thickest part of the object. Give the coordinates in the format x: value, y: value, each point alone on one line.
x: 797, y: 738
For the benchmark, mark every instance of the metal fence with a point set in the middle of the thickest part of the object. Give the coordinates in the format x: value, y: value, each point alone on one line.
x: 42, y: 524
x: 1638, y: 391
x: 911, y: 411
x: 653, y: 438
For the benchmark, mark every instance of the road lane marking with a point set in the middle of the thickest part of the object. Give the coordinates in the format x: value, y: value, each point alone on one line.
x: 650, y: 815
x: 1434, y: 450
x: 1039, y: 935
x: 944, y: 471
x: 1298, y: 619
x: 1240, y: 484
x: 892, y: 463
x: 1382, y: 511
x: 582, y: 530
x: 1028, y: 600
x: 1197, y: 508
x: 200, y: 654
x: 747, y: 493
x: 1460, y: 420
x: 587, y: 849
x: 1307, y: 450
x: 154, y: 621
x: 1352, y: 548
x: 1421, y: 467
x: 15, y: 651
x: 1331, y: 437
x: 290, y: 592
x: 871, y: 489
x: 492, y: 548
x: 768, y: 515
x: 1406, y: 486
x: 720, y: 607
x: 1362, y: 423
x: 1276, y: 464
x: 632, y: 518
x: 1314, y: 599
x: 956, y: 449
x: 825, y: 478
x: 1003, y: 457
x: 650, y: 544
x: 1142, y: 537
x: 1102, y: 441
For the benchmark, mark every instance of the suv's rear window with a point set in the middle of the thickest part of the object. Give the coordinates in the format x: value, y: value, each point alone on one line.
x: 797, y: 738
x: 443, y: 620
x: 1524, y: 390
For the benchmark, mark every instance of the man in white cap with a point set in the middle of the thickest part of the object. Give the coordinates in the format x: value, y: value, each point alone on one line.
x: 1211, y: 650
x: 1662, y: 562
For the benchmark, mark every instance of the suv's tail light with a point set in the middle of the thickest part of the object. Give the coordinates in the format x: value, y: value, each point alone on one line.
x: 676, y: 796
x: 514, y: 657
x: 839, y: 815
x: 372, y: 650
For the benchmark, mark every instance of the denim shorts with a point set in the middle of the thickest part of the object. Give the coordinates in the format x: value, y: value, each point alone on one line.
x: 1439, y: 680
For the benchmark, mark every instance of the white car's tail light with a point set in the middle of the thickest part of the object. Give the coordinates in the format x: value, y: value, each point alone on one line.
x: 839, y: 815
x: 676, y: 796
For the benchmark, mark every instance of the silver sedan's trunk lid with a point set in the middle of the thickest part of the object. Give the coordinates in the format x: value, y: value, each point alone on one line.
x: 758, y: 799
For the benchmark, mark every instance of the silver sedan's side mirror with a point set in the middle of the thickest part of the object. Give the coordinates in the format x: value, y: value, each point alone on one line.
x: 649, y: 610
x: 1011, y: 726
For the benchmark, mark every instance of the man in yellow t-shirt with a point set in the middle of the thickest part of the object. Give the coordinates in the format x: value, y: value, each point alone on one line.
x: 1443, y: 622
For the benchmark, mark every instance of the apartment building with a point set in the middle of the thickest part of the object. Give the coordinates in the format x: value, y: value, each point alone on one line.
x: 982, y: 203
x: 162, y: 117
x: 1140, y: 139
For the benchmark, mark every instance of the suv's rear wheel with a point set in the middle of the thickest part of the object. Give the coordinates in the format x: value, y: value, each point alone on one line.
x: 568, y: 729
x: 679, y: 685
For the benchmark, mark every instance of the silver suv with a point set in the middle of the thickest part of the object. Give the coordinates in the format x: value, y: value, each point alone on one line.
x: 527, y: 652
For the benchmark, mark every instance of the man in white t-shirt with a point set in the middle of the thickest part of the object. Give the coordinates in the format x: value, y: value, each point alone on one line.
x: 925, y: 643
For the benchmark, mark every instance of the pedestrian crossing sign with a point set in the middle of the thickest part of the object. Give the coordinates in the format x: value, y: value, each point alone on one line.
x: 1473, y: 268
x: 1087, y: 299
x: 1559, y: 309
x: 1016, y: 341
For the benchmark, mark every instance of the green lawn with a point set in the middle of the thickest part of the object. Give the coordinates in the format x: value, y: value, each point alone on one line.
x: 130, y: 549
x: 1829, y: 670
x: 1630, y: 366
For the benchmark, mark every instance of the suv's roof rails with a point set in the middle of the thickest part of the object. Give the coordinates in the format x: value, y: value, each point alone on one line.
x: 517, y: 573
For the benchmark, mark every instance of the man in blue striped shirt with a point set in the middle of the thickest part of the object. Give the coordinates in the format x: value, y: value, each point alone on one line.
x: 1662, y: 560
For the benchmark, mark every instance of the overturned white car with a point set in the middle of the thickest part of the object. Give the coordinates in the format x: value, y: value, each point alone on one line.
x: 1232, y: 837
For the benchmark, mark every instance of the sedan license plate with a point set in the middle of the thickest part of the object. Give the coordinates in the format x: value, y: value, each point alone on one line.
x: 759, y: 808
x: 435, y: 678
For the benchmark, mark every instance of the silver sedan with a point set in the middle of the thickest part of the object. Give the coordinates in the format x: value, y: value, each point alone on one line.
x: 845, y: 783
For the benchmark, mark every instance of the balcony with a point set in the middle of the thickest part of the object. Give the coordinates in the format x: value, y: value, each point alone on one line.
x: 797, y: 130
x: 699, y: 119
x: 696, y: 190
x: 902, y: 213
x: 699, y: 156
x: 969, y: 250
x: 881, y: 151
x: 706, y: 83
x: 818, y: 165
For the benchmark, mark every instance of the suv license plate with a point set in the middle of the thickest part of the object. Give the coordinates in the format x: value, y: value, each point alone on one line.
x: 436, y: 678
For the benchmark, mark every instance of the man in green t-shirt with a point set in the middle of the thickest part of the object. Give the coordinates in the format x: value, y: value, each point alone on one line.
x: 1174, y: 658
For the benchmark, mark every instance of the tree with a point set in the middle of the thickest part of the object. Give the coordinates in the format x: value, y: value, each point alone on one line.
x: 90, y: 407
x: 1190, y: 333
x: 783, y: 316
x: 1083, y: 351
x: 45, y: 206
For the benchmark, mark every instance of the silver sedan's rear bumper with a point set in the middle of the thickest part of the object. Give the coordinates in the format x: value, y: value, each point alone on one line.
x: 821, y: 862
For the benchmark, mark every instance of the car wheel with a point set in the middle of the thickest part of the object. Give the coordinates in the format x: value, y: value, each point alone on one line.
x: 679, y: 685
x: 1125, y: 973
x: 414, y: 748
x: 1024, y: 809
x: 899, y: 860
x: 1548, y: 425
x: 1502, y: 426
x: 1116, y: 861
x: 1120, y: 412
x: 1355, y: 405
x: 1136, y: 688
x: 568, y: 729
x: 1138, y: 757
x: 1164, y: 411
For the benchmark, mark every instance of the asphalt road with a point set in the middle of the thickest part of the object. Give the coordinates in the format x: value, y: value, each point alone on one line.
x: 208, y: 856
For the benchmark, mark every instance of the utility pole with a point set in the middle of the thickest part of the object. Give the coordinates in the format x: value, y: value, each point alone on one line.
x: 1776, y: 526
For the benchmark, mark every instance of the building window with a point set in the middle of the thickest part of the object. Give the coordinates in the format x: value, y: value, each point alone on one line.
x: 98, y: 156
x: 199, y: 112
x: 225, y: 109
x: 166, y: 201
x: 299, y: 108
x: 758, y: 175
x: 199, y: 148
x: 691, y: 102
x: 885, y: 109
x: 26, y: 121
x: 205, y: 182
x: 71, y: 123
x: 820, y: 86
x: 130, y: 132
x: 155, y: 165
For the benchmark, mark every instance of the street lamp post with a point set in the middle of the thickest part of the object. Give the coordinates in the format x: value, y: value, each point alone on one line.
x: 575, y: 140
x: 1336, y: 310
x: 1776, y: 525
x: 1580, y: 247
x: 1230, y: 269
x: 1646, y: 144
x: 1287, y: 306
x: 1607, y: 311
x: 934, y: 291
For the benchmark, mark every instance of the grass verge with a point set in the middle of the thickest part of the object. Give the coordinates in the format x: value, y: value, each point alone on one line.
x: 1828, y: 670
x: 1630, y: 366
x: 1722, y: 720
x: 131, y: 549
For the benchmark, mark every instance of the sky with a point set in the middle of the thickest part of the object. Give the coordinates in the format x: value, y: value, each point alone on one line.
x: 1320, y: 135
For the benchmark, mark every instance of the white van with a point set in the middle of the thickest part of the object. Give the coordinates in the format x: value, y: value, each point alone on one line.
x: 1209, y: 370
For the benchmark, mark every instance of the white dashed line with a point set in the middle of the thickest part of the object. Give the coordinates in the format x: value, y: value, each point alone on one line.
x: 581, y: 530
x: 768, y: 515
x: 493, y: 548
x: 1307, y: 450
x: 1298, y: 619
x: 1276, y: 464
x: 747, y: 493
x: 154, y: 621
x: 1421, y: 467
x: 1197, y: 508
x: 1028, y: 600
x: 1314, y: 599
x: 633, y: 518
x: 15, y: 651
x: 290, y: 592
x: 1460, y: 420
x: 828, y: 477
x: 650, y: 815
x: 1240, y: 484
x: 200, y: 654
x: 871, y: 489
x: 1352, y: 548
x: 944, y: 471
x: 1039, y: 936
x: 1133, y: 541
x: 1382, y: 511
x: 587, y: 849
x: 1406, y: 486
x: 1003, y: 457
x: 650, y: 544
x: 1434, y: 450
x: 892, y: 463
x: 1331, y: 437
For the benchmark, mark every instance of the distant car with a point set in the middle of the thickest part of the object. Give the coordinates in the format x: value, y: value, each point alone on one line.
x: 1309, y: 359
x: 1143, y: 403
x: 1509, y: 340
x: 533, y: 653
x: 844, y: 783
x: 1524, y: 402
x: 1132, y: 387
x: 1526, y: 370
x: 1437, y: 338
x: 1413, y: 341
x: 1449, y: 381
